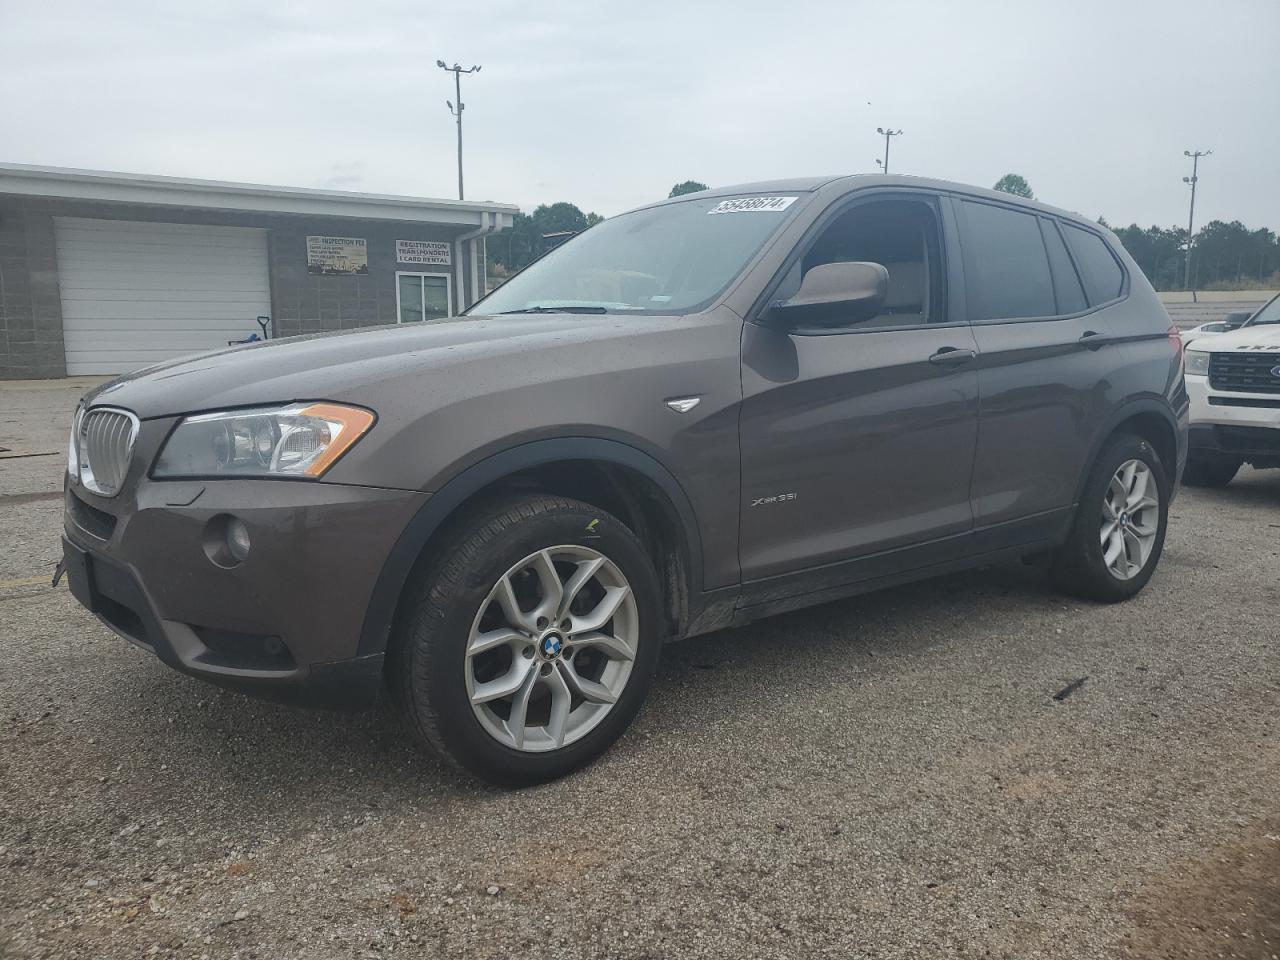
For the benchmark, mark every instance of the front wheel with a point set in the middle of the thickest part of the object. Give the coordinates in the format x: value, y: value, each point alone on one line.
x: 531, y: 641
x: 1118, y: 533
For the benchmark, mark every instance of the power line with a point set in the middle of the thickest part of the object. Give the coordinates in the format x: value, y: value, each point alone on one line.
x: 457, y: 72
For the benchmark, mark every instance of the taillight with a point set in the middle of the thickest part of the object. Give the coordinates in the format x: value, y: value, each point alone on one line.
x: 1176, y: 340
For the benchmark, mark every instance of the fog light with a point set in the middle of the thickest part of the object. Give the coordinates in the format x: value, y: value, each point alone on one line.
x: 238, y: 540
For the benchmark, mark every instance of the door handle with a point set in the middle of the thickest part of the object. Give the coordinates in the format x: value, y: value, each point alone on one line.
x: 1093, y: 340
x: 952, y: 357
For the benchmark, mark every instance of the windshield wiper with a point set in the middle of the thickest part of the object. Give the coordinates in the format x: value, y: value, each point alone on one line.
x: 568, y: 308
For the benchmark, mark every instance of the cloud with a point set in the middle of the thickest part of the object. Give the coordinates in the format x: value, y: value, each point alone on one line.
x: 607, y: 104
x: 345, y: 176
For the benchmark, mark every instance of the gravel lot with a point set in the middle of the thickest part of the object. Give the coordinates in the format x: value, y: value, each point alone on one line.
x: 884, y: 777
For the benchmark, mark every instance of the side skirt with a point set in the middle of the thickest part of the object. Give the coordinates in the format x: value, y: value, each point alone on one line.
x: 794, y: 591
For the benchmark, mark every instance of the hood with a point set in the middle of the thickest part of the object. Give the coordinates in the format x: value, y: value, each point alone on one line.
x: 1265, y: 336
x: 341, y: 366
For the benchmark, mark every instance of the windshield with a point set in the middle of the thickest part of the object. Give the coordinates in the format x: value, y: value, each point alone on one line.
x: 1268, y: 314
x: 673, y: 258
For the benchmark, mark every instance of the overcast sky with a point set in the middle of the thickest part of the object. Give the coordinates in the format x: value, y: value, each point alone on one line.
x: 608, y: 104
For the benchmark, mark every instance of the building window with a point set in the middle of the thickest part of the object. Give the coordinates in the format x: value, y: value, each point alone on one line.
x: 422, y: 296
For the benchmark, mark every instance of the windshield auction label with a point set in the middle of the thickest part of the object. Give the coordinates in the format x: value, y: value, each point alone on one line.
x: 753, y: 205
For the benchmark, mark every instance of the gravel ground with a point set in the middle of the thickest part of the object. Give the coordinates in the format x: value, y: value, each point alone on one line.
x: 884, y: 777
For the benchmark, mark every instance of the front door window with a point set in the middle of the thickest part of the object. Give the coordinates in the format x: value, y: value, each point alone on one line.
x: 422, y: 296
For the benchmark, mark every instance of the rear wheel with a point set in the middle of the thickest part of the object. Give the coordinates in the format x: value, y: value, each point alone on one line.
x: 1118, y: 533
x: 531, y: 642
x: 1210, y: 473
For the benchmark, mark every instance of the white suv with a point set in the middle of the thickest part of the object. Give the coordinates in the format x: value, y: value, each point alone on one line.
x: 1234, y: 383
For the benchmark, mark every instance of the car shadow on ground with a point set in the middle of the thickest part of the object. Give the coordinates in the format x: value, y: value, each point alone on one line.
x: 1250, y: 488
x: 246, y: 748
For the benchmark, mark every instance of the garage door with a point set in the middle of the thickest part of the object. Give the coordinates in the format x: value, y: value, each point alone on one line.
x: 138, y: 293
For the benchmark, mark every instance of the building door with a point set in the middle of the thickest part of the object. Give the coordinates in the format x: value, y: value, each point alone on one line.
x: 136, y: 293
x: 422, y: 296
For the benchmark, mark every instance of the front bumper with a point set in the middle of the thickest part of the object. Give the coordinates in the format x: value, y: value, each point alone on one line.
x: 1233, y: 426
x: 285, y: 623
x: 1259, y: 446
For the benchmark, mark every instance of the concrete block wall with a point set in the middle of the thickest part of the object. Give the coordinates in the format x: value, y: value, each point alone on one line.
x: 31, y: 344
x: 310, y: 303
x: 30, y: 304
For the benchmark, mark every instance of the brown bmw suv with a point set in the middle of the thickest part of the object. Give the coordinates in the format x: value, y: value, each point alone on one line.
x: 699, y: 413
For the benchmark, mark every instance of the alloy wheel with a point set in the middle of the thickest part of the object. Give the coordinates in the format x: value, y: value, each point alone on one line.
x: 552, y: 648
x: 1130, y: 519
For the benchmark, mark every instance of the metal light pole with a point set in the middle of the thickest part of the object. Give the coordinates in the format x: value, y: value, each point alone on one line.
x: 886, y: 132
x: 1191, y: 217
x: 457, y: 72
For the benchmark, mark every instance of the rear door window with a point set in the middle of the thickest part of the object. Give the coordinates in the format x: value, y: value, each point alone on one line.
x: 1066, y: 282
x: 1103, y: 278
x: 1006, y: 267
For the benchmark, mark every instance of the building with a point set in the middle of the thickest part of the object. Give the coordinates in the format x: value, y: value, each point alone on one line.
x: 107, y: 272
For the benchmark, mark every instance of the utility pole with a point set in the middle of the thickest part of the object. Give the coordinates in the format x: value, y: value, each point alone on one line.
x: 886, y: 132
x: 457, y: 72
x: 1191, y: 217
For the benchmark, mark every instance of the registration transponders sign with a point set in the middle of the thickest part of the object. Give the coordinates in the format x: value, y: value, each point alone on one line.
x: 753, y: 205
x: 423, y: 251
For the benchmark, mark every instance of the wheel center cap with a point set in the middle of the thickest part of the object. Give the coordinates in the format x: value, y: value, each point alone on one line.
x: 551, y: 645
x: 1124, y: 519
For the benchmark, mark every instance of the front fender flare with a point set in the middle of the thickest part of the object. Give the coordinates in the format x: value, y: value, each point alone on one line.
x: 385, y: 598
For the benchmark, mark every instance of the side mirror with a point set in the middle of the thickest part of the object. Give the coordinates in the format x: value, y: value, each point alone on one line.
x: 834, y: 294
x: 1236, y: 319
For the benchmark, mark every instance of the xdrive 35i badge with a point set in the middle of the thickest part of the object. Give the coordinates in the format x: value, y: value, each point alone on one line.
x: 776, y: 498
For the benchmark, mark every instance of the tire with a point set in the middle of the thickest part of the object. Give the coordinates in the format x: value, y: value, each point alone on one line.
x: 1080, y: 566
x: 1210, y: 473
x: 460, y: 604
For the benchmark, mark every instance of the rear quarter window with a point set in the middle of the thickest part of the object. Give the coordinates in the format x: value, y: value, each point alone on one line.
x: 1103, y: 278
x: 1065, y: 279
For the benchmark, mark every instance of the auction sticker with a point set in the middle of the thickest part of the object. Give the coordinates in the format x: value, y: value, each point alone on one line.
x: 753, y: 205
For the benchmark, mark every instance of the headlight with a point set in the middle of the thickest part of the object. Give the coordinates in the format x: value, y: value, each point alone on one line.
x: 73, y: 448
x: 1198, y: 362
x: 301, y: 441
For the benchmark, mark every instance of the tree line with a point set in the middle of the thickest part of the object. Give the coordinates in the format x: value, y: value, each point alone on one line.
x: 1223, y: 256
x: 532, y: 235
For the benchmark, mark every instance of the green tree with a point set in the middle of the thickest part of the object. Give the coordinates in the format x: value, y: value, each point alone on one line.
x: 1227, y: 254
x: 689, y: 186
x: 559, y: 217
x: 1158, y: 252
x: 1015, y: 184
x: 521, y: 244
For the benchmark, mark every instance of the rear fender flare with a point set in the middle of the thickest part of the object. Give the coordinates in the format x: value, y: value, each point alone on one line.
x: 1125, y: 411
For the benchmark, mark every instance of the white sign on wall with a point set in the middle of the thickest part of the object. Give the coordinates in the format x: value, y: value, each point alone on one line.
x: 337, y: 255
x: 424, y: 251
